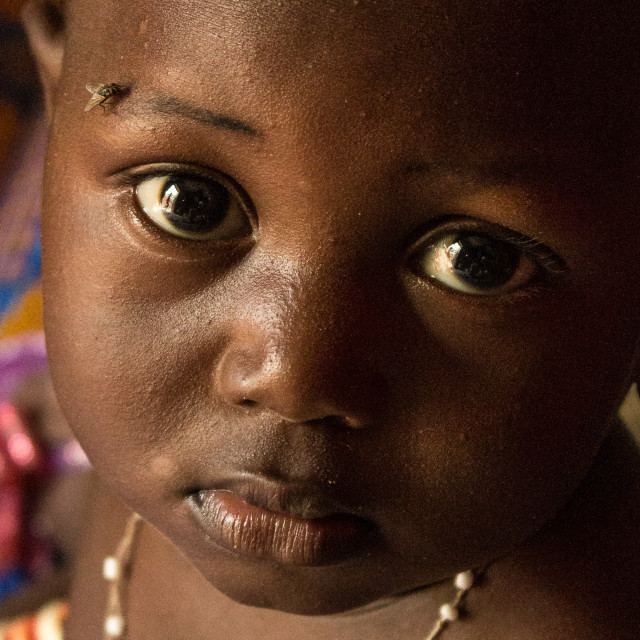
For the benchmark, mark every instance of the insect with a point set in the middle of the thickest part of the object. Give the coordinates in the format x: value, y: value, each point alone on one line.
x: 101, y: 93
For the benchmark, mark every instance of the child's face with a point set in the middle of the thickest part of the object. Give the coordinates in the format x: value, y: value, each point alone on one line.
x: 311, y: 328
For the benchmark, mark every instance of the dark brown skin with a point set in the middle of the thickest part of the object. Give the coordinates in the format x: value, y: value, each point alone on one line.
x: 467, y: 429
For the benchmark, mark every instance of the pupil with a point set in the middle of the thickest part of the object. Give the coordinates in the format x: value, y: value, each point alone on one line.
x: 482, y: 262
x: 197, y: 206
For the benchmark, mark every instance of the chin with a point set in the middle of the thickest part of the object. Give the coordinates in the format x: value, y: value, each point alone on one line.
x: 307, y: 592
x: 294, y: 601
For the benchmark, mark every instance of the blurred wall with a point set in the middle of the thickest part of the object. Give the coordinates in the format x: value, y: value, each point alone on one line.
x: 10, y: 7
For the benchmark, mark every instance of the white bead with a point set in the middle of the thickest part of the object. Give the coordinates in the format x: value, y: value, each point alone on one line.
x: 448, y: 613
x: 114, y: 626
x: 111, y: 568
x: 464, y: 580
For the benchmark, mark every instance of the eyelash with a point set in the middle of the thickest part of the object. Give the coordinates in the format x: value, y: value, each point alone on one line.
x: 133, y: 178
x: 529, y: 245
x: 533, y: 248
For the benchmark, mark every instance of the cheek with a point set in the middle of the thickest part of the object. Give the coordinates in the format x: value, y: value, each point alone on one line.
x: 128, y: 342
x: 506, y: 413
x: 130, y: 374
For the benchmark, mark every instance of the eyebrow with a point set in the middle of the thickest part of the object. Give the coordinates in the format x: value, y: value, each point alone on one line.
x: 505, y: 170
x: 170, y: 105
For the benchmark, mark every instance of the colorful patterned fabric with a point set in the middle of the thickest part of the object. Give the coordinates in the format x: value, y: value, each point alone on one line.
x: 47, y: 624
x: 22, y: 142
x: 20, y: 222
x: 29, y: 465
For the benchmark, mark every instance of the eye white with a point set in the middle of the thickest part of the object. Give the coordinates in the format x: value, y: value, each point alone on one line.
x: 192, y: 207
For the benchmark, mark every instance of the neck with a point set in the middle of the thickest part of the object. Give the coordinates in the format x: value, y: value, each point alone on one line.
x: 579, y: 577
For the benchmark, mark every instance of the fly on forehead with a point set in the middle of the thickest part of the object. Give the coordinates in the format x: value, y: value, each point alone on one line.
x: 101, y: 93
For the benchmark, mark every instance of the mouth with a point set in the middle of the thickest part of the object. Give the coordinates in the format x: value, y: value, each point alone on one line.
x: 283, y: 522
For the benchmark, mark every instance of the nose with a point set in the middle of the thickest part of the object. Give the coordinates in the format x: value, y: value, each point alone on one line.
x: 302, y: 347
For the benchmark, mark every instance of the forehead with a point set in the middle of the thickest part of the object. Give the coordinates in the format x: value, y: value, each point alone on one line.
x: 491, y: 39
x: 461, y: 77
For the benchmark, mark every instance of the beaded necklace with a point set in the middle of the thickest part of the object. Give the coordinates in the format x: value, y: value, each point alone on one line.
x: 116, y: 570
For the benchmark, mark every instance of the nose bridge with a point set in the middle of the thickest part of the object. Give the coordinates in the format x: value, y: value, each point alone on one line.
x: 298, y: 345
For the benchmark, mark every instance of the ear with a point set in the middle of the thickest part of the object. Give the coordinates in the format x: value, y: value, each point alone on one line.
x: 44, y: 22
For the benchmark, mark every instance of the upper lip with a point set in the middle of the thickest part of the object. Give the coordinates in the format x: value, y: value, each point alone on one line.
x: 307, y: 500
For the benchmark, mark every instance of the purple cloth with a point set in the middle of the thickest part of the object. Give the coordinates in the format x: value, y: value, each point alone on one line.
x: 20, y: 356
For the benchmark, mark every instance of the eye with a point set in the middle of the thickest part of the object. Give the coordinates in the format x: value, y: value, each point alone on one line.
x: 481, y: 264
x: 193, y: 207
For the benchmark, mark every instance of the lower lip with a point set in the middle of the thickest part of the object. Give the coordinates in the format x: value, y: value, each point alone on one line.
x: 248, y: 530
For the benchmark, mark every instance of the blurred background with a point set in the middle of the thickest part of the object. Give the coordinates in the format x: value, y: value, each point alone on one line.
x: 44, y: 475
x: 43, y: 472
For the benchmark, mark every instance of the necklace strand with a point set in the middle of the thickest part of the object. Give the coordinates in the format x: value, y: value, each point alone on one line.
x: 116, y: 571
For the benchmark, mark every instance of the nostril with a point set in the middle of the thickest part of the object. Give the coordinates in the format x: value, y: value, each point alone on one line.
x: 248, y: 403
